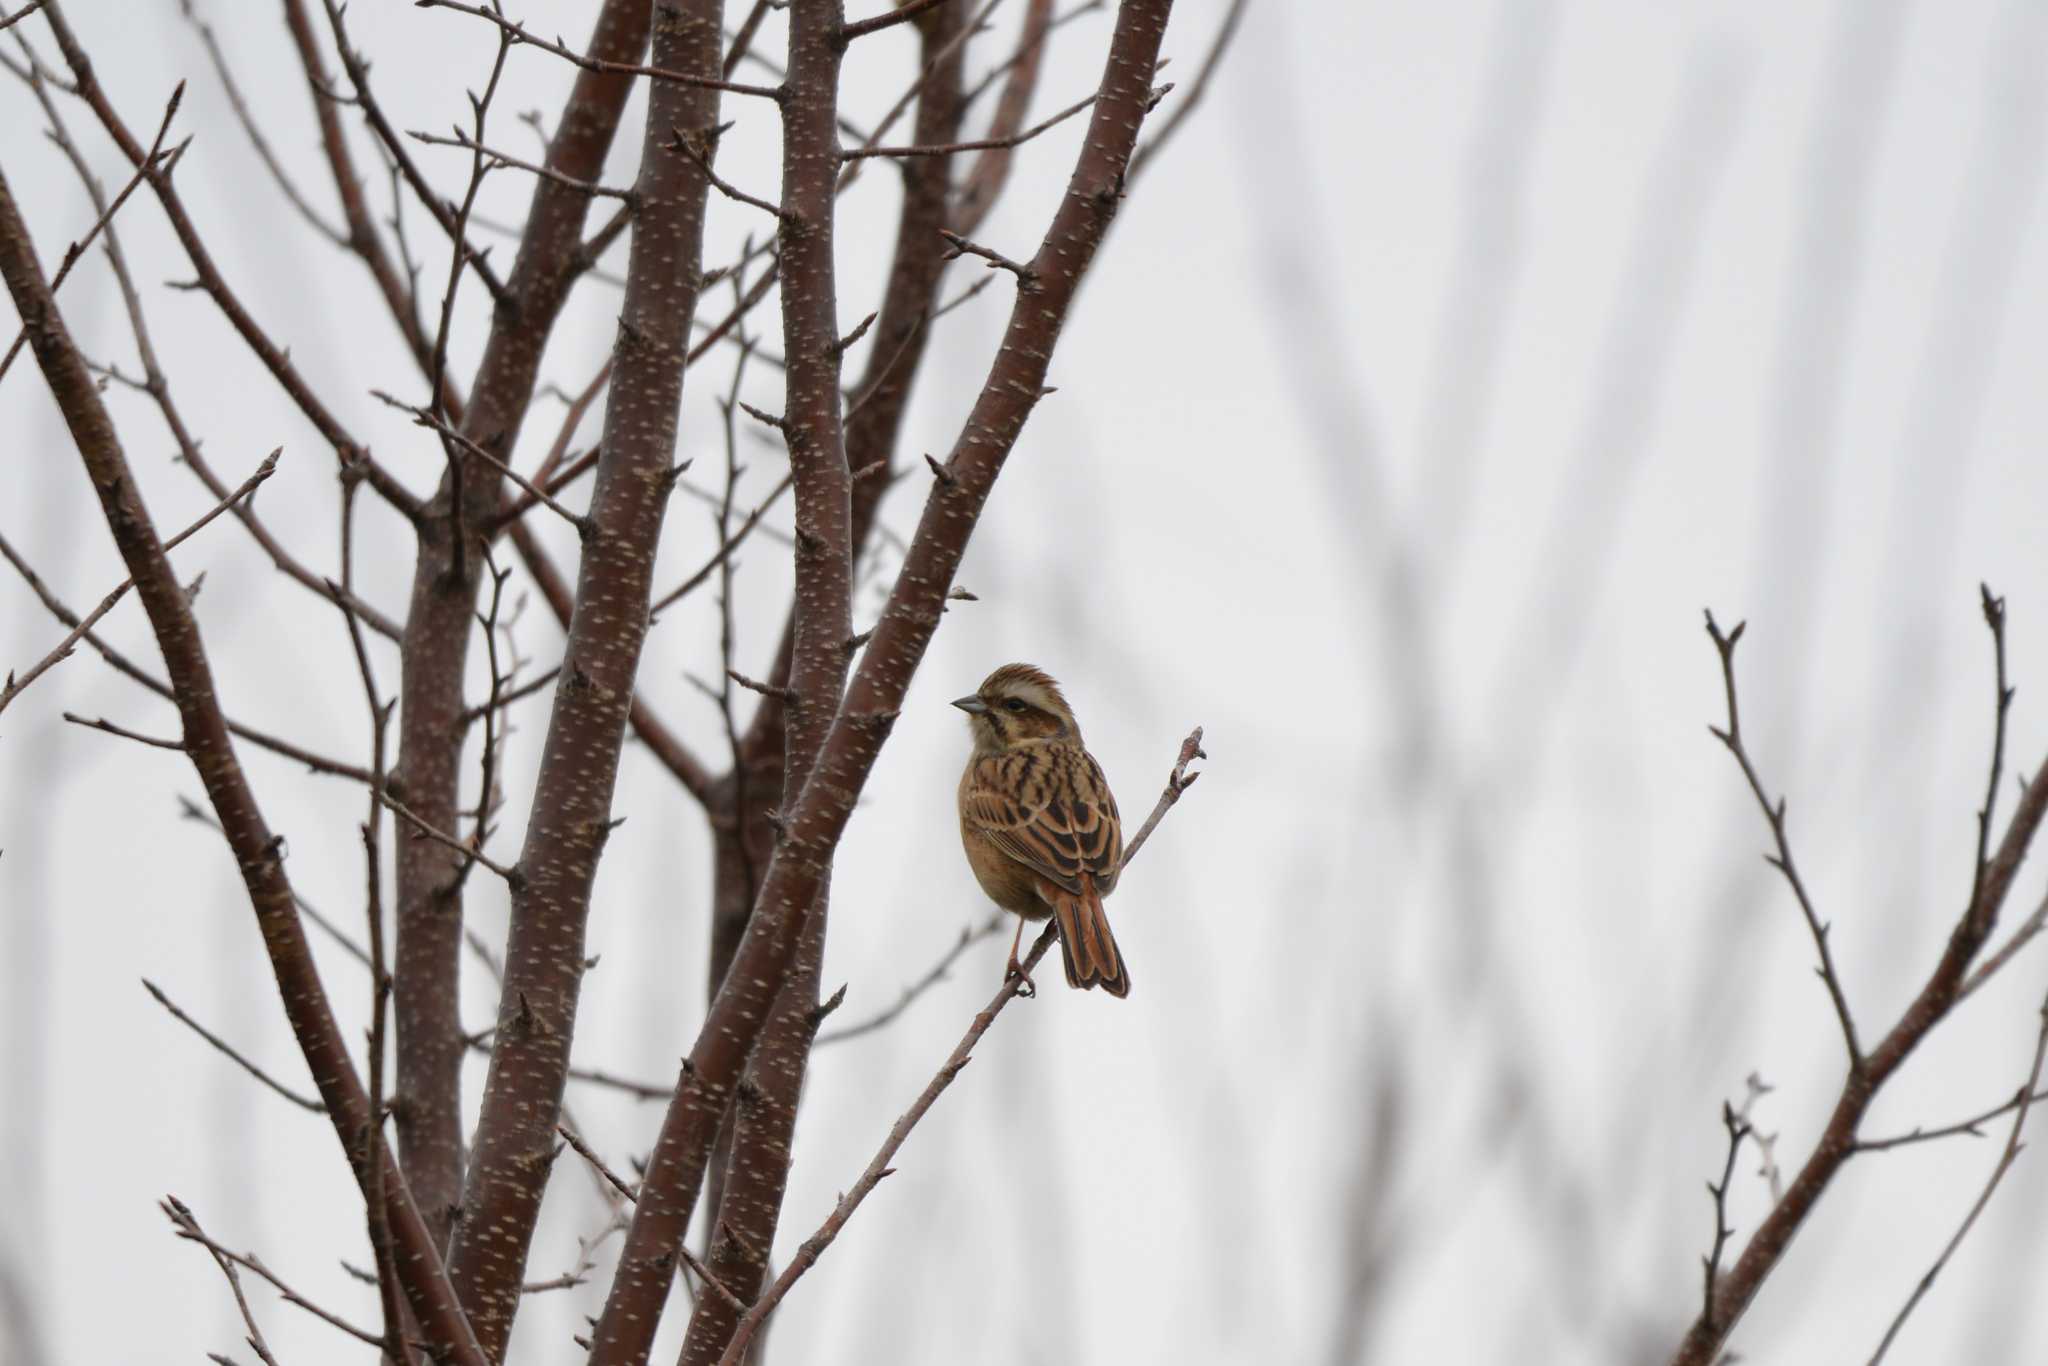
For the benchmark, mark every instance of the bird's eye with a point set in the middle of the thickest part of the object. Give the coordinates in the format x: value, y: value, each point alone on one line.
x: 1014, y: 703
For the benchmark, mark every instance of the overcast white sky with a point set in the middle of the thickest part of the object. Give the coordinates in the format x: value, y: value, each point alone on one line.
x: 1453, y: 359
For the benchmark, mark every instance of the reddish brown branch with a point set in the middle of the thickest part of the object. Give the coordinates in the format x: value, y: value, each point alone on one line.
x: 816, y: 820
x: 901, y: 332
x: 571, y: 807
x: 1991, y: 883
x: 812, y: 426
x: 440, y: 622
x: 257, y: 851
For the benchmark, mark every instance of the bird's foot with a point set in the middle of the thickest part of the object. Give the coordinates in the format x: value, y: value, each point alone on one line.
x: 1015, y: 969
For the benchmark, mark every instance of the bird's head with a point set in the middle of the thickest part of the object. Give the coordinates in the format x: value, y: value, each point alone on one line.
x: 1017, y: 705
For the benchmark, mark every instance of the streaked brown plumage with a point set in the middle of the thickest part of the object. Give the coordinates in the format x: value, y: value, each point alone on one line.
x: 1038, y: 821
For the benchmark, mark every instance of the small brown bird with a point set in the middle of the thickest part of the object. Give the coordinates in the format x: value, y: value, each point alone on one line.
x: 1039, y: 823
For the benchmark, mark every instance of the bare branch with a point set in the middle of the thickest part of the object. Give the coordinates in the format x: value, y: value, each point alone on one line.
x: 597, y: 1165
x: 470, y: 853
x: 819, y: 815
x: 905, y: 12
x: 2005, y: 1158
x: 188, y: 1227
x: 493, y: 160
x: 63, y: 649
x: 353, y: 456
x: 253, y: 130
x: 157, y: 159
x: 978, y: 144
x: 303, y: 1102
x: 1738, y: 1129
x: 181, y: 1216
x: 580, y: 755
x: 520, y: 36
x: 1992, y: 881
x: 10, y: 20
x: 1027, y: 277
x: 970, y: 936
x: 425, y: 418
x: 1774, y: 813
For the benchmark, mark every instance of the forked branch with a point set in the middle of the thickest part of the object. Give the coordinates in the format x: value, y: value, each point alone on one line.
x: 1992, y: 876
x: 1774, y: 813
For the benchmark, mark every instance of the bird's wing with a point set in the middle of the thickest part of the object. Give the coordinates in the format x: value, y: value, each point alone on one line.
x: 1049, y: 808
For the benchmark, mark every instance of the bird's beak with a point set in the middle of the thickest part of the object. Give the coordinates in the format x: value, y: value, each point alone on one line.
x: 973, y: 706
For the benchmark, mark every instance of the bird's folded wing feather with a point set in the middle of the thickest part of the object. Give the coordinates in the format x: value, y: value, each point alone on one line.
x: 1052, y: 811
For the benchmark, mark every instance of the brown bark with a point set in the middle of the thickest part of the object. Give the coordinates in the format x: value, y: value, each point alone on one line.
x: 873, y: 427
x: 570, y: 821
x: 447, y: 572
x: 204, y: 737
x: 814, y: 823
x: 751, y: 1170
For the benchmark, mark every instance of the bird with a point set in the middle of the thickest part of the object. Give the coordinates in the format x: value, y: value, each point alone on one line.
x: 1039, y: 823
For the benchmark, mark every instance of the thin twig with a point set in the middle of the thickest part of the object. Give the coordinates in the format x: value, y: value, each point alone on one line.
x: 971, y: 935
x: 495, y: 159
x: 724, y: 551
x: 425, y: 418
x: 2004, y: 1164
x: 180, y: 1215
x: 1738, y: 1129
x: 64, y: 648
x: 597, y: 1164
x: 10, y: 20
x: 102, y: 724
x: 693, y: 146
x: 1774, y: 813
x: 518, y: 34
x: 254, y: 131
x: 975, y: 145
x: 513, y: 877
x: 303, y: 1102
x: 157, y: 160
x: 405, y: 167
x: 1177, y: 782
x: 905, y: 11
x: 1973, y: 1126
x: 188, y: 1227
x: 1027, y: 278
x: 318, y: 763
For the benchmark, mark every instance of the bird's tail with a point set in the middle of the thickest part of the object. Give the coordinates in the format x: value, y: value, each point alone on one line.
x: 1090, y: 950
